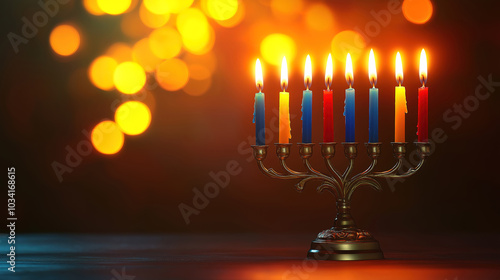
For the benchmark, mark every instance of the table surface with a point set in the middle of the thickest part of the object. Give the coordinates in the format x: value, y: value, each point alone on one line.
x: 246, y: 256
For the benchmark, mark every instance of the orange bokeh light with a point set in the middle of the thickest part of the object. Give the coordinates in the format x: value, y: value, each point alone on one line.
x: 65, y: 40
x: 172, y: 74
x: 120, y: 52
x: 101, y: 72
x: 417, y: 11
x: 348, y: 41
x: 107, y: 138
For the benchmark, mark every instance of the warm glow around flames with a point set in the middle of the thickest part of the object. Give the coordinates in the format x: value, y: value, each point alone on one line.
x: 329, y: 72
x: 259, y: 82
x: 284, y: 75
x: 399, y: 69
x: 308, y: 73
x: 349, y: 76
x: 372, y: 69
x: 423, y: 68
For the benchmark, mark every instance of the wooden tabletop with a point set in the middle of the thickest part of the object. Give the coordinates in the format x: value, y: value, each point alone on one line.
x: 246, y: 256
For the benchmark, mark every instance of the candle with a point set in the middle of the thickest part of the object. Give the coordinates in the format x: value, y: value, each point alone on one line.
x: 259, y: 107
x: 400, y: 110
x: 349, y: 108
x: 284, y: 109
x: 423, y: 114
x: 307, y: 104
x: 373, y: 97
x: 328, y: 103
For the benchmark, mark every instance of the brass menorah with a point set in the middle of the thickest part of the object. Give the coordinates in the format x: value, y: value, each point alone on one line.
x: 344, y: 241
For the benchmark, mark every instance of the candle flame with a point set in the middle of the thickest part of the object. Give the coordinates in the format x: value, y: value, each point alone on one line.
x: 423, y: 68
x: 284, y: 75
x: 329, y: 72
x: 399, y: 69
x: 372, y: 69
x: 259, y: 82
x: 308, y: 73
x: 349, y: 76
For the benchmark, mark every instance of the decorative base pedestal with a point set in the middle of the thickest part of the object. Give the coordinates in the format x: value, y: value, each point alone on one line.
x: 345, y: 245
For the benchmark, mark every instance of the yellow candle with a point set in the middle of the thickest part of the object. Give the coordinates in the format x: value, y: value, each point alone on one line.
x: 284, y: 111
x: 400, y: 106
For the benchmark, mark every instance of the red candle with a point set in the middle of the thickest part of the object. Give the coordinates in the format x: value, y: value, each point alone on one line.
x: 328, y: 103
x: 423, y: 101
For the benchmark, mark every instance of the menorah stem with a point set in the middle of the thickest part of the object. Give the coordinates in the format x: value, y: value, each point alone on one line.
x: 344, y: 219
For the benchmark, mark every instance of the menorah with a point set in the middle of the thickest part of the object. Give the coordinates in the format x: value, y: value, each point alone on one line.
x: 344, y: 241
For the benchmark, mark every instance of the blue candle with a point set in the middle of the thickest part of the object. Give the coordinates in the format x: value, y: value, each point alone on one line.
x: 349, y: 109
x: 259, y: 114
x: 373, y: 116
x: 373, y: 97
x: 306, y: 116
x: 307, y: 104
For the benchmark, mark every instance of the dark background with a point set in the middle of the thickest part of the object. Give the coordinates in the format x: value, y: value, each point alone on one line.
x: 47, y: 101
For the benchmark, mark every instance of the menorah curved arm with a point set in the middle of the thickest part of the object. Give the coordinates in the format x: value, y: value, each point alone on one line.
x: 347, y: 171
x: 332, y: 170
x: 366, y: 172
x: 289, y: 170
x: 340, y: 185
x: 325, y: 185
x: 306, y: 152
x: 408, y: 173
x: 390, y: 171
x: 274, y: 174
x: 365, y: 181
x: 423, y: 150
x: 330, y: 188
x: 283, y: 151
x: 331, y: 180
x: 361, y: 175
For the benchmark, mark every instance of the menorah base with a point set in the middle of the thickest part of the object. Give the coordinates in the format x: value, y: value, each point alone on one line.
x: 345, y: 245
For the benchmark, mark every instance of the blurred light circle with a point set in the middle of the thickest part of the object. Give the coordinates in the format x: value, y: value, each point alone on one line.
x: 152, y: 20
x: 190, y: 20
x: 198, y: 72
x: 208, y: 60
x: 177, y: 6
x: 275, y: 46
x: 197, y: 87
x: 221, y: 9
x: 417, y: 11
x: 64, y: 40
x: 197, y: 35
x: 199, y: 43
x: 160, y: 7
x: 133, y: 117
x: 129, y: 77
x: 114, y: 7
x: 348, y: 41
x: 236, y: 19
x: 132, y: 6
x: 107, y: 138
x: 200, y: 80
x: 132, y: 26
x: 101, y: 72
x: 120, y: 52
x: 92, y: 7
x: 319, y: 17
x: 286, y: 7
x: 165, y: 42
x: 142, y: 54
x: 172, y: 74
